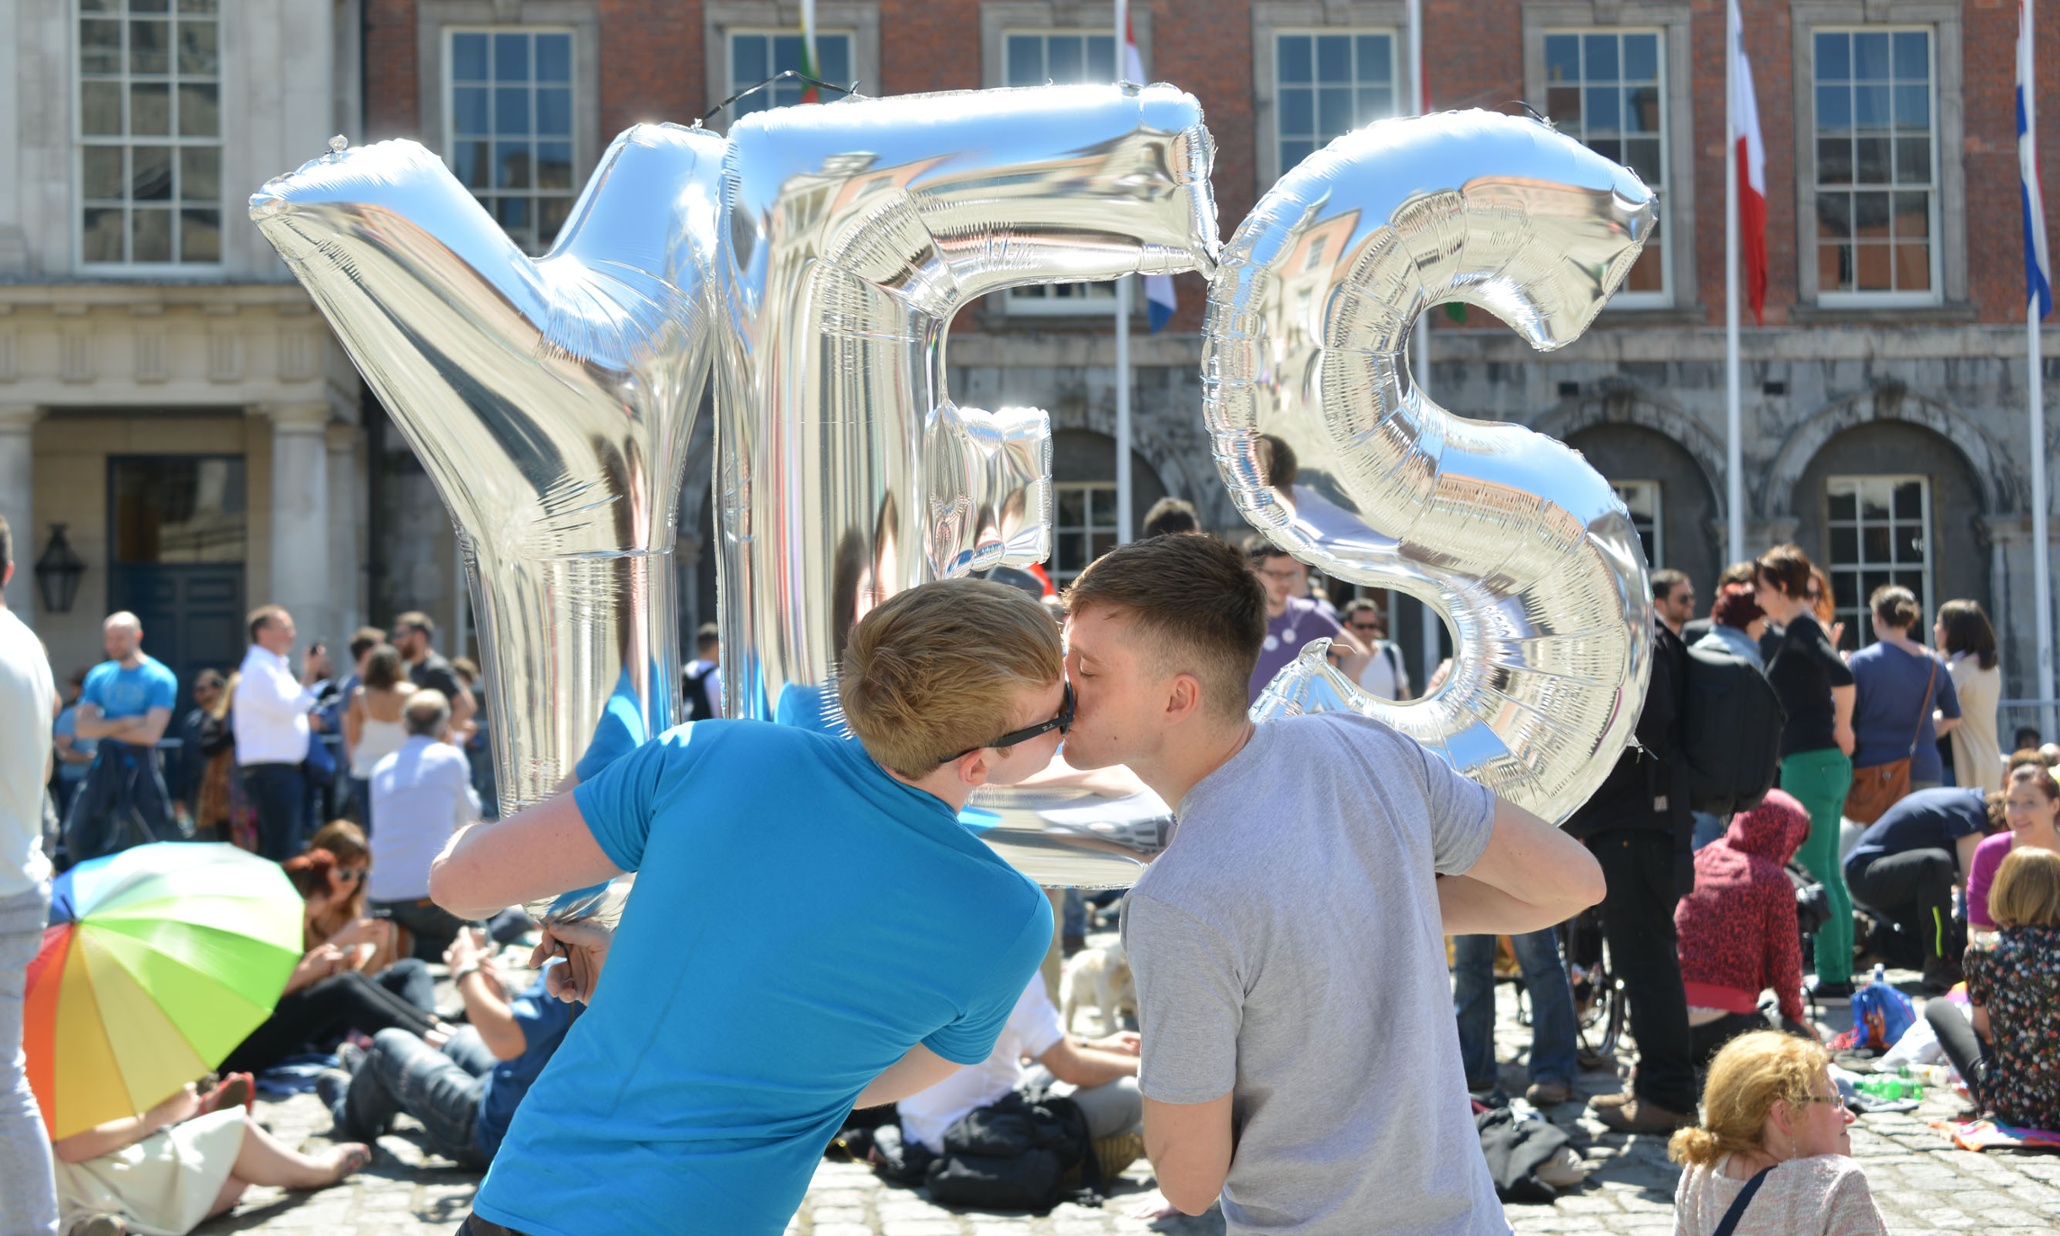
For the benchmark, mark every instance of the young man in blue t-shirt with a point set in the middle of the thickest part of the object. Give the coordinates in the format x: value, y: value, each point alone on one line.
x: 126, y: 705
x: 884, y: 946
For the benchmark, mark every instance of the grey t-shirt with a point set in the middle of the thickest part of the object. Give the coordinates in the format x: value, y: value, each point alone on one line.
x: 1288, y: 950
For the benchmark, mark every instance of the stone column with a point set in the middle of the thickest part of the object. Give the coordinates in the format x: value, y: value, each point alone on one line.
x: 17, y: 452
x: 300, y: 519
x: 346, y: 559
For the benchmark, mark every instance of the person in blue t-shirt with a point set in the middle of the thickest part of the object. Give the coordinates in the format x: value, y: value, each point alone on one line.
x: 724, y: 1050
x: 1905, y: 698
x: 465, y: 1092
x: 1908, y: 862
x: 126, y: 704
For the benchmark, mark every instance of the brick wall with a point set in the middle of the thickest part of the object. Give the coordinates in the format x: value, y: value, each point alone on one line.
x: 652, y: 69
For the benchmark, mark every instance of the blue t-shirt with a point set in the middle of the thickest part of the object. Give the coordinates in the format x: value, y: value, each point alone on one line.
x: 1890, y: 691
x: 800, y: 921
x: 122, y: 692
x: 67, y: 726
x: 1926, y: 820
x: 543, y: 1019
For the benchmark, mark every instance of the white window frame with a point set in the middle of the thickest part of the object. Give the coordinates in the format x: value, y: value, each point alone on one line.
x: 570, y: 193
x: 1934, y: 188
x: 729, y: 60
x: 1091, y: 492
x: 81, y: 140
x: 1676, y: 195
x: 1396, y: 71
x: 857, y: 19
x: 1276, y: 17
x: 1625, y: 298
x: 1949, y: 296
x: 1624, y: 491
x: 1856, y: 619
x: 1060, y: 300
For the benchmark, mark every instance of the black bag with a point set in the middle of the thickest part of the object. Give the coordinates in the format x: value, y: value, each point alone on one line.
x: 1514, y: 1149
x: 1732, y: 732
x: 1014, y: 1154
x: 699, y: 706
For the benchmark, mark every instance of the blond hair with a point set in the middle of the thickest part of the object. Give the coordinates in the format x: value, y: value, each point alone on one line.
x: 2027, y: 889
x: 1751, y: 1074
x: 937, y: 669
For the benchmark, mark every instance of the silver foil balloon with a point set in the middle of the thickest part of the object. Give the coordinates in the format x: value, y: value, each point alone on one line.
x: 852, y: 232
x: 550, y: 401
x: 1511, y: 535
x: 1070, y: 829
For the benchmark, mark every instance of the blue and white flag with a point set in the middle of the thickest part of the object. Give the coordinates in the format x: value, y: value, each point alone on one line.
x: 2038, y: 261
x: 1159, y: 300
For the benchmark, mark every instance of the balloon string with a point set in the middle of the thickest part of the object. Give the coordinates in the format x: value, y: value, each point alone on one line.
x: 780, y: 76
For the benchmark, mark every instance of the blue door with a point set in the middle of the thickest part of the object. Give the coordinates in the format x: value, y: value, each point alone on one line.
x: 178, y: 528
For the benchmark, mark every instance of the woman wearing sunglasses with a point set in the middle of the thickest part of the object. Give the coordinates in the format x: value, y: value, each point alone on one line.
x: 1774, y: 1152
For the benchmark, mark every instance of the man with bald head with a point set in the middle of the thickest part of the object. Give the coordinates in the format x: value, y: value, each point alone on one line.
x: 126, y: 704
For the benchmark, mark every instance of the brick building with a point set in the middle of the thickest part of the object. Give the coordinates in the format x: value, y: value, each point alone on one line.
x: 1884, y: 413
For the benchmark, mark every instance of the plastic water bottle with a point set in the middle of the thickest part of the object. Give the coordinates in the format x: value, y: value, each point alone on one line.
x: 1880, y: 974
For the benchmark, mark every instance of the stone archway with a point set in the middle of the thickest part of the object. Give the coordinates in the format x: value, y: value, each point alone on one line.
x: 1623, y: 405
x: 1986, y: 460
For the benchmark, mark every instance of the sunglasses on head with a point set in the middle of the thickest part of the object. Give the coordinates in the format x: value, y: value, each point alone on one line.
x: 1061, y: 723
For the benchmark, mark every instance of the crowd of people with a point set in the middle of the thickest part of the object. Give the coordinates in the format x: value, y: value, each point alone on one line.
x: 1263, y: 1077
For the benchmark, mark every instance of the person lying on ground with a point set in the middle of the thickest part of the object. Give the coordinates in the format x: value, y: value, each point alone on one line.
x: 187, y: 1159
x: 901, y: 944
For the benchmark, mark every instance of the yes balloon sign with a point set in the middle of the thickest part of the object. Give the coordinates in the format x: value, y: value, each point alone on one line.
x: 810, y: 264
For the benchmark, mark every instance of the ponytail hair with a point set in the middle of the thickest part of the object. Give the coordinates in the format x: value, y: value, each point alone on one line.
x: 1751, y: 1074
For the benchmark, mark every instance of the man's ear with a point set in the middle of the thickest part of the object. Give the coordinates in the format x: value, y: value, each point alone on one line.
x: 973, y: 769
x: 1183, y: 697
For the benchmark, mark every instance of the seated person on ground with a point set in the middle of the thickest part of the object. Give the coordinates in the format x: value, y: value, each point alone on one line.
x: 2009, y: 1049
x: 188, y: 1158
x: 1738, y: 928
x: 465, y: 1093
x: 2031, y: 807
x: 1771, y: 1109
x: 421, y: 794
x: 1906, y: 864
x: 1098, y: 1074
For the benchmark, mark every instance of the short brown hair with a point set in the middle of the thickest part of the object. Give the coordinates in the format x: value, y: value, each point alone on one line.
x: 1736, y: 573
x: 1665, y: 580
x: 364, y: 640
x: 2027, y: 889
x: 1788, y: 567
x: 417, y: 619
x: 936, y: 670
x: 1751, y: 1074
x: 262, y: 617
x: 2025, y: 757
x: 1204, y: 611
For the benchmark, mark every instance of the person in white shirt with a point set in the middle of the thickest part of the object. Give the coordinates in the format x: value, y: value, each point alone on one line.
x: 271, y: 721
x: 1384, y: 674
x: 421, y: 794
x: 28, y: 700
x: 1098, y: 1074
x: 703, y: 676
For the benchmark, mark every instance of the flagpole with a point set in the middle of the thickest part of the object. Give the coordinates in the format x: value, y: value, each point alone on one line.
x: 2042, y: 558
x: 1123, y: 486
x: 1734, y: 467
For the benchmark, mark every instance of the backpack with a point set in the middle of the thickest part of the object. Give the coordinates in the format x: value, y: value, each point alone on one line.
x: 1014, y: 1154
x: 699, y: 707
x: 1732, y: 722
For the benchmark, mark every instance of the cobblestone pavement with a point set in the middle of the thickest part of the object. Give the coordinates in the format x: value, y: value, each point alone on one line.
x: 1920, y: 1182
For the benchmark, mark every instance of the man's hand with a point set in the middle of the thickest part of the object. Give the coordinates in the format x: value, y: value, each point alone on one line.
x: 1126, y: 1042
x: 584, y: 947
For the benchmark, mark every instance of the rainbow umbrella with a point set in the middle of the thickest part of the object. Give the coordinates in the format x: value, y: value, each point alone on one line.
x: 158, y: 961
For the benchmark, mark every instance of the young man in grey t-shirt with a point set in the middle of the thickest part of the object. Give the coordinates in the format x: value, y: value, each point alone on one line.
x: 1299, y: 1055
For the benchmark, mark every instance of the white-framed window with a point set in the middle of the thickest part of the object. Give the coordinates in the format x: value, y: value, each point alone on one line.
x: 509, y: 120
x: 1877, y: 164
x: 1642, y: 499
x: 149, y: 133
x: 1608, y: 90
x: 1084, y: 527
x: 1328, y: 83
x: 1879, y: 532
x: 1060, y: 57
x: 755, y: 55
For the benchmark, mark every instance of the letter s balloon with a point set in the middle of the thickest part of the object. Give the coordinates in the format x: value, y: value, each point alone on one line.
x: 1512, y: 536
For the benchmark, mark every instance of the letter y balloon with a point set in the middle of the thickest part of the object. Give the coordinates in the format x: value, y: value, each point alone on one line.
x: 1510, y: 534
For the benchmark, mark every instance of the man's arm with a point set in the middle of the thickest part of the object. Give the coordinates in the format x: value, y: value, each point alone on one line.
x: 1966, y: 846
x: 90, y: 724
x: 148, y: 728
x: 1086, y: 1064
x: 463, y: 709
x: 1531, y: 876
x: 914, y: 1073
x: 540, y: 852
x: 1189, y: 1145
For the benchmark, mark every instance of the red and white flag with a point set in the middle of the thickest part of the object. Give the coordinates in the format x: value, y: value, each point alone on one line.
x: 1751, y: 154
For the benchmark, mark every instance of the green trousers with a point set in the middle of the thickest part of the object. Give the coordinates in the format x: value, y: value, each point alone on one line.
x: 1819, y: 780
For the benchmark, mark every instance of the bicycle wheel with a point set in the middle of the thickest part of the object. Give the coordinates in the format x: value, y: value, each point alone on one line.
x: 1598, y: 992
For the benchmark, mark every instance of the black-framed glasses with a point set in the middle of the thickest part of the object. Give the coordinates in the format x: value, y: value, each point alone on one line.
x: 1061, y: 723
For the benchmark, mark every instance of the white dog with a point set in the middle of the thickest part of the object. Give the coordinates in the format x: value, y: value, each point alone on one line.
x: 1101, y: 977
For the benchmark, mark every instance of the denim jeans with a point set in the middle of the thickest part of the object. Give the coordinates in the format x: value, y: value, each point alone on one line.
x: 439, y: 1088
x: 1552, y: 1006
x: 28, y: 1196
x: 279, y: 794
